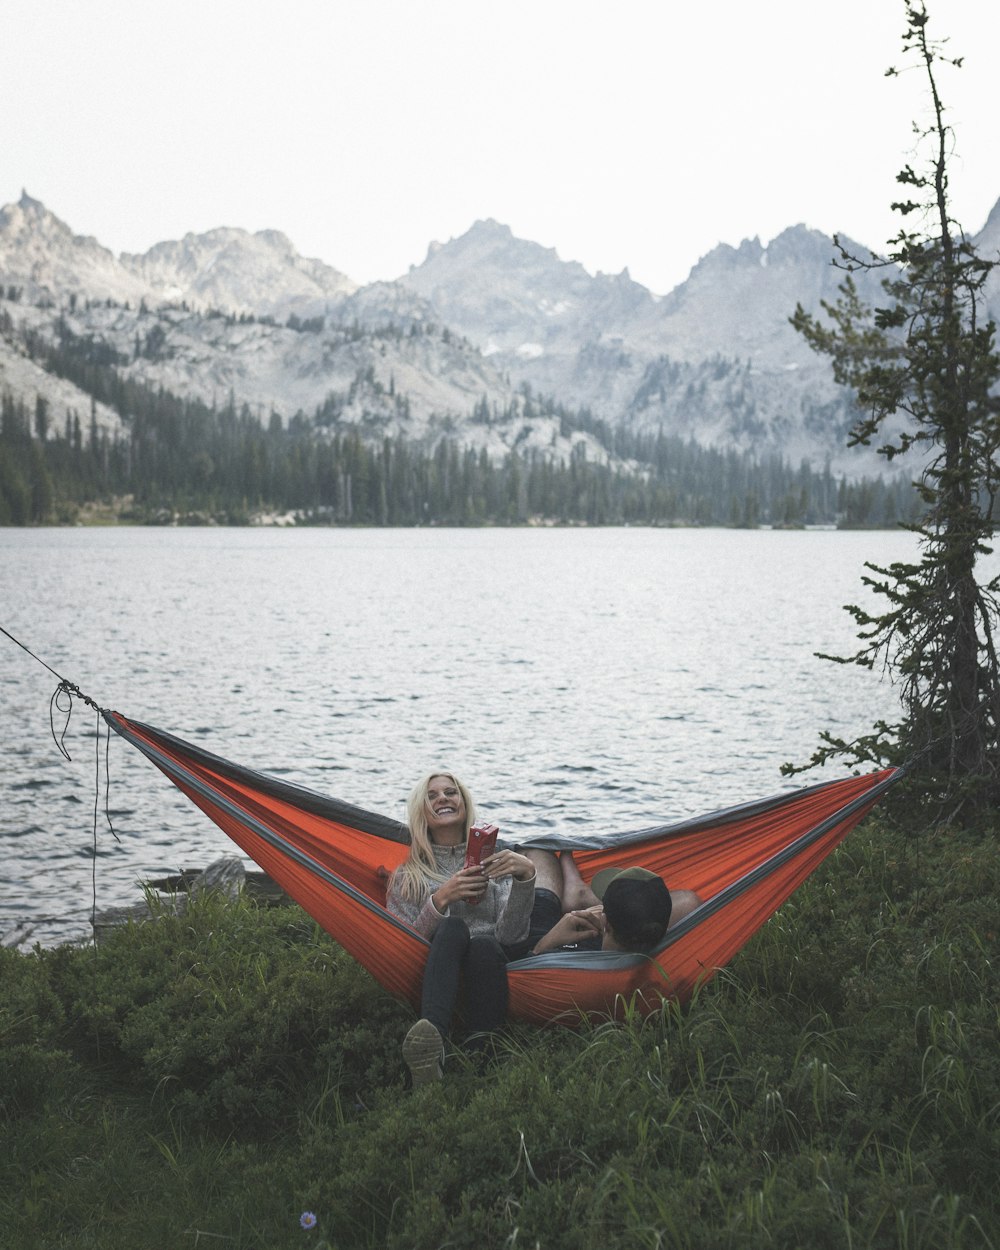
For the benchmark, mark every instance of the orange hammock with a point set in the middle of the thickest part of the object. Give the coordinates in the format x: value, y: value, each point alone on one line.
x: 332, y: 858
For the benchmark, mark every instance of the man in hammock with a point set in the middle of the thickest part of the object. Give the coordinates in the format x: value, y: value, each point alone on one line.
x: 622, y: 909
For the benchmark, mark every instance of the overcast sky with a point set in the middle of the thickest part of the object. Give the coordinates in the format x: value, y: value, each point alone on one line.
x: 636, y: 133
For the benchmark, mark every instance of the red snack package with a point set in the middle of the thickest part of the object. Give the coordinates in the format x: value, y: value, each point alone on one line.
x: 482, y: 843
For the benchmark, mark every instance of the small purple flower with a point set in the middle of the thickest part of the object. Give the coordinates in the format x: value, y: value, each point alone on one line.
x: 307, y: 1219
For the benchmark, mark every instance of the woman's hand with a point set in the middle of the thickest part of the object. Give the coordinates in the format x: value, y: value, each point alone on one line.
x: 508, y: 864
x: 467, y: 885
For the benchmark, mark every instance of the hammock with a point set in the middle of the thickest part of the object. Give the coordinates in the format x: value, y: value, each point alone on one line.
x: 333, y: 858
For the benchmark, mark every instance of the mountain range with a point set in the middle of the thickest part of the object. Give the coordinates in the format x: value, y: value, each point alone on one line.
x: 461, y: 346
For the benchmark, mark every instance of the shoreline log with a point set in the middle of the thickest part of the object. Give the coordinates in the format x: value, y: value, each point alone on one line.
x: 226, y: 876
x: 18, y: 935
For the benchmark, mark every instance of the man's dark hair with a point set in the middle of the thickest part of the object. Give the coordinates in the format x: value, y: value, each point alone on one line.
x: 637, y: 910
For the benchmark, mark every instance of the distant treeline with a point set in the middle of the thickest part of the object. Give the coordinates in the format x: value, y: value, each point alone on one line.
x: 180, y: 458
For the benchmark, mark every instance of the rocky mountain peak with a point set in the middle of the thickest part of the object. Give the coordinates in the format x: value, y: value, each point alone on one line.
x: 489, y: 228
x: 233, y: 269
x: 226, y: 268
x: 987, y: 244
x: 42, y: 257
x: 508, y: 294
x: 487, y: 242
x: 29, y: 219
x: 988, y: 239
x: 798, y: 245
x: 32, y: 207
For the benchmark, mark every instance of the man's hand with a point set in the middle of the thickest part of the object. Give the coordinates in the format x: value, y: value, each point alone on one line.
x: 574, y: 927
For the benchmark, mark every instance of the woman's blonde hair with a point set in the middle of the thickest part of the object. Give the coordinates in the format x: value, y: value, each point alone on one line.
x: 419, y: 869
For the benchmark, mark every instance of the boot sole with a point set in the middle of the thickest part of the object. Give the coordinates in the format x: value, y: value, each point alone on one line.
x: 423, y: 1052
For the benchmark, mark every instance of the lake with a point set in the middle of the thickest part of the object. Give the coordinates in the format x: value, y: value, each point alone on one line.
x: 577, y: 679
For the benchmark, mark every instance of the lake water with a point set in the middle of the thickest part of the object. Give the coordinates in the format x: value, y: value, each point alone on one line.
x: 577, y: 679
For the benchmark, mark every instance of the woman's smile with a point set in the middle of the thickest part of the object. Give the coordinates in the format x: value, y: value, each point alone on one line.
x: 445, y: 806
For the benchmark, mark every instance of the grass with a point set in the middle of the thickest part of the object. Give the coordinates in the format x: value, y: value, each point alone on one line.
x: 203, y: 1080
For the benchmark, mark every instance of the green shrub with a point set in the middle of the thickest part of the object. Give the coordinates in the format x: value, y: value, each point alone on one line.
x: 33, y: 1065
x: 204, y: 1079
x: 30, y: 1011
x: 224, y: 1011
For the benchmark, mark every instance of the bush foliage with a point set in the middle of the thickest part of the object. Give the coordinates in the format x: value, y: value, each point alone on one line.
x: 204, y: 1079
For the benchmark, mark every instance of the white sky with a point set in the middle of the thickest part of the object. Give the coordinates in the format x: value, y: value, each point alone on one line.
x: 635, y: 133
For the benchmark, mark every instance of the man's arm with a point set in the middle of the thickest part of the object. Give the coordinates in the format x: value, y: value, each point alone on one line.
x: 573, y: 927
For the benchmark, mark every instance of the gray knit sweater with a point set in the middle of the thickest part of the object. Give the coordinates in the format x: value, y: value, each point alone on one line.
x: 503, y: 912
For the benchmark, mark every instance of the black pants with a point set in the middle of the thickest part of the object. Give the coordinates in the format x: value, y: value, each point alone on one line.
x: 545, y: 914
x: 475, y: 965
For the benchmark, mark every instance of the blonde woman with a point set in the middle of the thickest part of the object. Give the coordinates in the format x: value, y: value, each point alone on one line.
x: 467, y: 914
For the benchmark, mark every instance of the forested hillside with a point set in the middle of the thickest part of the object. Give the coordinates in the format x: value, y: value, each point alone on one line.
x: 176, y: 459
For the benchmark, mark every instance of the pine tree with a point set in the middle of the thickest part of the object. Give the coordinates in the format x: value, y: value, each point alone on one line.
x: 924, y: 368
